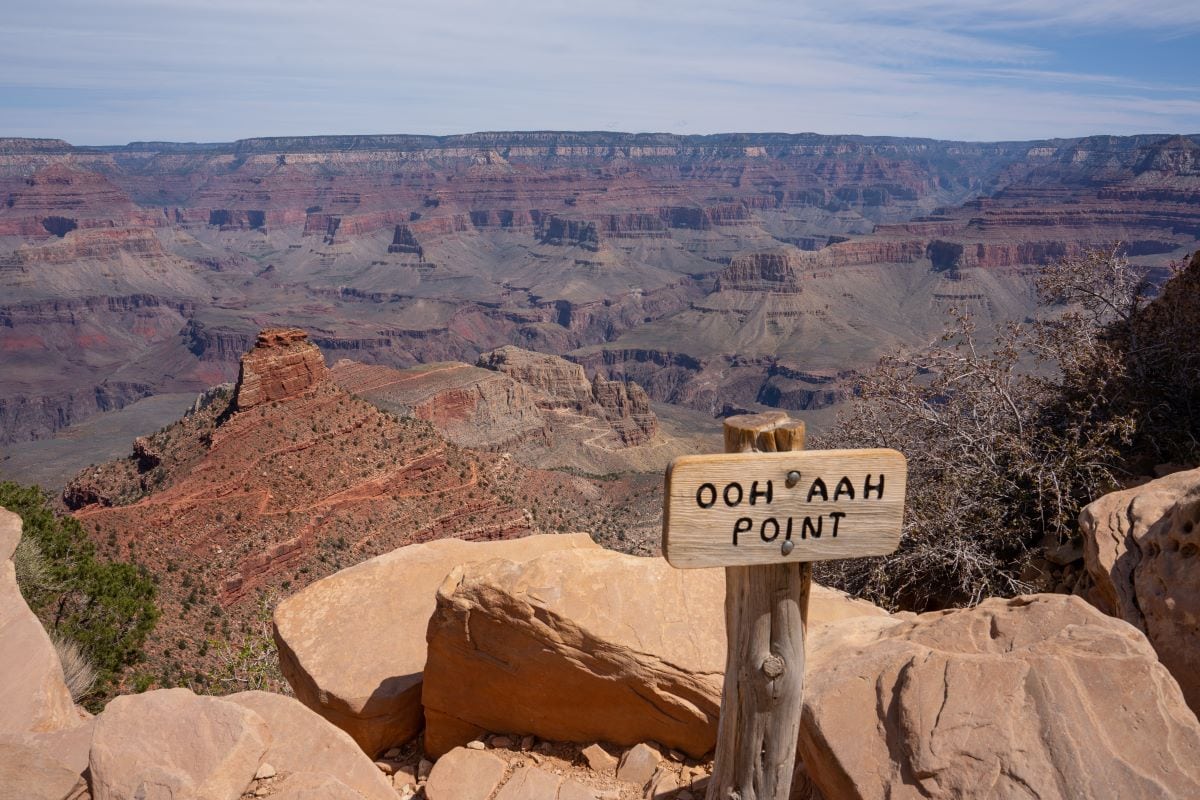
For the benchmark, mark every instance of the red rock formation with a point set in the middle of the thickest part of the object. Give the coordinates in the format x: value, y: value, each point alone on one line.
x: 282, y: 364
x: 242, y: 499
x: 62, y: 197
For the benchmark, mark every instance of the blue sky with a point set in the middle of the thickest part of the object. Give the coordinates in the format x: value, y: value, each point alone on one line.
x: 217, y: 70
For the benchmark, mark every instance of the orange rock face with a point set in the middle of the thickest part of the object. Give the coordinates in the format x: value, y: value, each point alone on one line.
x: 282, y: 364
x: 585, y: 645
x: 353, y: 645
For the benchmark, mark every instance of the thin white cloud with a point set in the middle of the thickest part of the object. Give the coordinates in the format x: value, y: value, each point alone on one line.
x: 222, y: 69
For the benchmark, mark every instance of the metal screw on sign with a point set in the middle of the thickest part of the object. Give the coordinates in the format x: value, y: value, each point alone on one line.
x: 764, y: 510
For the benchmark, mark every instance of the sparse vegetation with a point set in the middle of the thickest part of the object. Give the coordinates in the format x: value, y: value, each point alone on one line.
x: 78, y: 671
x: 105, y: 609
x: 1007, y: 442
x: 253, y: 662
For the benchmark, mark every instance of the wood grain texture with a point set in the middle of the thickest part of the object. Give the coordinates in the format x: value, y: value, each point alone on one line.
x: 708, y: 499
x: 766, y: 612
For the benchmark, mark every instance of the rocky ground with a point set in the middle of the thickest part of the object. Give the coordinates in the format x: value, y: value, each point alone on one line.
x: 525, y: 768
x: 1043, y: 696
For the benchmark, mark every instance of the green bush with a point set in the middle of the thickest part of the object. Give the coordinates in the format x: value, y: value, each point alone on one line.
x: 106, y: 608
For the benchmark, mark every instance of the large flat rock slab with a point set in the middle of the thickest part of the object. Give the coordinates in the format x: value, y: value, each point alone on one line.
x: 584, y: 645
x: 353, y: 645
x: 1036, y: 697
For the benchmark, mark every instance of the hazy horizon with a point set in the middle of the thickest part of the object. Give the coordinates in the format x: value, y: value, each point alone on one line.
x: 203, y: 143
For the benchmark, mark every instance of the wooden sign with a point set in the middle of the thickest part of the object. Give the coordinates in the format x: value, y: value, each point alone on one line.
x: 734, y: 509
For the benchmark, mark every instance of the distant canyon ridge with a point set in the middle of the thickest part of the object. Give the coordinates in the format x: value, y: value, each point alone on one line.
x: 720, y: 273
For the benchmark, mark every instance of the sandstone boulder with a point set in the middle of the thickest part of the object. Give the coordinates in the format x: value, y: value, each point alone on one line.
x: 530, y: 783
x: 171, y: 743
x: 29, y: 772
x: 282, y: 364
x: 1142, y: 551
x: 583, y: 645
x: 1039, y: 697
x: 353, y: 645
x: 303, y: 741
x: 464, y: 774
x: 33, y: 693
x: 50, y: 765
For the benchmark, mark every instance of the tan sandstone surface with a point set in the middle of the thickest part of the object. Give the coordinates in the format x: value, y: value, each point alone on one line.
x: 303, y: 742
x: 33, y: 693
x: 1038, y: 696
x: 171, y: 743
x: 584, y: 645
x: 353, y: 645
x: 1142, y: 551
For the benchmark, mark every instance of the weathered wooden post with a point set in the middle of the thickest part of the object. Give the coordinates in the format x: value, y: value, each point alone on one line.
x: 763, y: 511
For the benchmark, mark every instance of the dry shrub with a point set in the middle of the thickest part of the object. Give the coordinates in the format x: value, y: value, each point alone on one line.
x: 34, y: 575
x: 77, y: 669
x: 1005, y: 443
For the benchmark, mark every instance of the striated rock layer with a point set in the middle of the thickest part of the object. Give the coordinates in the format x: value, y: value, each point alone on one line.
x: 540, y: 408
x: 282, y: 364
x: 411, y: 249
x: 562, y: 384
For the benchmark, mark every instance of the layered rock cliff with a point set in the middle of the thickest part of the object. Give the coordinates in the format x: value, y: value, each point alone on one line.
x: 413, y: 249
x: 624, y: 406
x: 282, y: 364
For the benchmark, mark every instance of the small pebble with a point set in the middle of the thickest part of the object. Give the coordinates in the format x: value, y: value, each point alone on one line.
x: 265, y: 770
x: 476, y: 745
x: 527, y: 743
x: 395, y: 751
x: 405, y: 774
x: 387, y: 768
x: 502, y: 741
x: 423, y: 769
